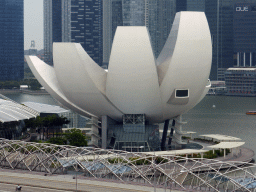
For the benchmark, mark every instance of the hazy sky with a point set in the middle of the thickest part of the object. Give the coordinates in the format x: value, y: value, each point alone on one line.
x: 33, y: 23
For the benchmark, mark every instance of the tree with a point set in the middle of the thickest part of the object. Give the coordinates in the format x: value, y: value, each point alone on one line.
x: 75, y: 137
x: 58, y: 140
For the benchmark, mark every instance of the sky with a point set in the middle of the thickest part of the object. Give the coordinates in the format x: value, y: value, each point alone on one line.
x: 33, y: 23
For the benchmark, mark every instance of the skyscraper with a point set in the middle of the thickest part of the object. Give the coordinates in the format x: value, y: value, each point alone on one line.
x: 134, y: 13
x: 11, y: 40
x: 56, y: 25
x: 52, y: 27
x: 86, y: 26
x: 156, y: 15
x: 112, y: 17
x: 245, y: 34
x: 220, y: 18
x: 190, y: 5
x: 159, y: 18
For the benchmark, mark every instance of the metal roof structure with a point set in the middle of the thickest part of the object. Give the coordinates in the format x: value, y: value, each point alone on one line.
x: 44, y: 108
x: 221, y: 137
x: 227, y: 145
x: 11, y: 111
x: 175, y: 172
x: 176, y: 152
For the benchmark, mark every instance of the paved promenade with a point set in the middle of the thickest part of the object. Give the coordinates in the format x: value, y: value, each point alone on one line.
x: 66, y: 183
x: 244, y: 154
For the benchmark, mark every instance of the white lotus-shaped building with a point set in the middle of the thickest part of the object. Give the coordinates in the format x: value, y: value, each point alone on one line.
x: 135, y: 82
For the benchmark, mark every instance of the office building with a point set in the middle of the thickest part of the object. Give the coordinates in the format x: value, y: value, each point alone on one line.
x: 86, y: 27
x: 156, y: 15
x: 56, y: 25
x: 245, y: 34
x: 190, y: 5
x: 241, y: 81
x: 52, y: 27
x: 220, y: 17
x: 11, y: 40
x: 112, y: 17
x: 159, y: 18
x: 134, y: 12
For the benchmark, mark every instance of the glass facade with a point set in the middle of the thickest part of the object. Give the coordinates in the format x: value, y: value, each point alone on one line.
x: 181, y: 5
x: 159, y: 19
x: 220, y: 18
x: 195, y: 5
x: 86, y: 26
x: 134, y: 13
x: 245, y: 34
x: 11, y: 40
x: 241, y: 81
x: 56, y: 25
x: 52, y: 27
x: 116, y: 16
x: 56, y: 21
x: 190, y: 5
x: 156, y: 15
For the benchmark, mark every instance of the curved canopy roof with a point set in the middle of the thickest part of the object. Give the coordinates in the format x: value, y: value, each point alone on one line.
x: 221, y: 137
x: 227, y: 145
x: 11, y: 111
x: 176, y: 152
x: 44, y: 108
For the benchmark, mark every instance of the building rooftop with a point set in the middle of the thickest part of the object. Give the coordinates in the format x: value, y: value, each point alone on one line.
x: 221, y: 137
x: 44, y: 108
x: 11, y: 111
x: 227, y: 145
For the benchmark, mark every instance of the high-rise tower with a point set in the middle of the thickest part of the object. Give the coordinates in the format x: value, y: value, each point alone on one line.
x: 134, y: 12
x: 11, y: 40
x: 190, y: 5
x: 159, y: 18
x: 86, y: 26
x: 220, y: 17
x: 112, y: 17
x: 56, y: 25
x: 156, y: 15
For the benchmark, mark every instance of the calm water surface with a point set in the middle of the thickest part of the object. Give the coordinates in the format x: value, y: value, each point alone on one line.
x: 228, y: 117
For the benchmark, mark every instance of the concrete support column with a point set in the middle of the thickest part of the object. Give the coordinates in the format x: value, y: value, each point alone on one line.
x: 224, y: 153
x: 95, y: 132
x: 244, y: 59
x: 238, y: 59
x: 250, y: 59
x: 104, y: 130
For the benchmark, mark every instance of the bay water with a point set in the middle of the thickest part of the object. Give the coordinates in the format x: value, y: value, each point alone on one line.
x: 213, y: 115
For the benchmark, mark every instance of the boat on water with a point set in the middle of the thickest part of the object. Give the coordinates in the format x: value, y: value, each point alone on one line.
x: 251, y: 113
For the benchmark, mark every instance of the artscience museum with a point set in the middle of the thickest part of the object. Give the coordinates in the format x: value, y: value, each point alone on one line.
x: 138, y: 91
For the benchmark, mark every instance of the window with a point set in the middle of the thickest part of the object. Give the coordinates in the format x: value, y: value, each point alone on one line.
x: 182, y: 93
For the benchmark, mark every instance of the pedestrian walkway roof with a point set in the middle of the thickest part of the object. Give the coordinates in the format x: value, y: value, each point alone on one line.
x: 11, y: 111
x: 227, y: 145
x: 44, y: 108
x: 221, y: 137
x: 176, y: 152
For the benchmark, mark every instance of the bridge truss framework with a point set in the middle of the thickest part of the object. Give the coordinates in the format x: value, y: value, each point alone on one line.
x: 129, y: 167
